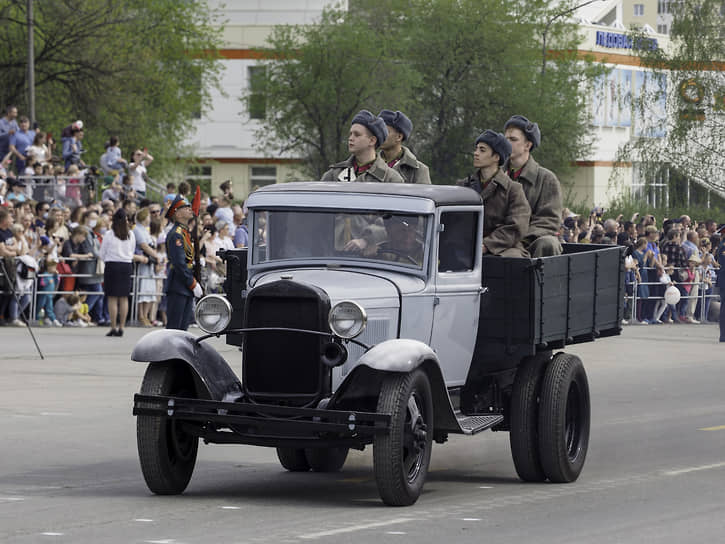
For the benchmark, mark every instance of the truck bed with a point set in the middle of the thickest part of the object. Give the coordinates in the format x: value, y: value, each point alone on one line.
x: 546, y: 303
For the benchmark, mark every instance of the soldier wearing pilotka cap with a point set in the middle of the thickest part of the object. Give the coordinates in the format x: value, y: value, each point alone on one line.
x: 367, y: 133
x: 540, y: 185
x: 395, y: 154
x: 506, y: 211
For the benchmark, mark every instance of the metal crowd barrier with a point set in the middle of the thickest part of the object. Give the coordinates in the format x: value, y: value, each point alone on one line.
x: 134, y: 294
x: 701, y: 295
x: 69, y: 190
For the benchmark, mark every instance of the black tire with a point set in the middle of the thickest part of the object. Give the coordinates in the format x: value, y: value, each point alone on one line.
x: 293, y: 459
x: 326, y: 459
x: 167, y: 453
x: 564, y: 419
x: 524, y: 434
x: 402, y: 455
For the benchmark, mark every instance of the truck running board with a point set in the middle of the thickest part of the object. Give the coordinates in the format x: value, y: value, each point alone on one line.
x: 475, y: 424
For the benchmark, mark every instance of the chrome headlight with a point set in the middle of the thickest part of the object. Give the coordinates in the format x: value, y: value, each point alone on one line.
x: 213, y: 313
x: 347, y: 319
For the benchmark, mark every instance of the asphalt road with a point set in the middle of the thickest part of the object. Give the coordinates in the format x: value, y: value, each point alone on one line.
x: 655, y: 471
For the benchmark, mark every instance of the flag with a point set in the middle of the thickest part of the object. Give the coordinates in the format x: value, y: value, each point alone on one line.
x: 196, y: 203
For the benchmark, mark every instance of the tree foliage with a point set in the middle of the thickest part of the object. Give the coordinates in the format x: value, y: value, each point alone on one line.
x: 456, y: 67
x: 691, y: 146
x: 141, y: 70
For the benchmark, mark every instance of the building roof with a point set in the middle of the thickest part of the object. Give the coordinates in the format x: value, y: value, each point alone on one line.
x: 441, y: 195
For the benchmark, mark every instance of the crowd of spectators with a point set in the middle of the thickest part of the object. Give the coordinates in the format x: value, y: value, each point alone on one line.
x: 671, y: 270
x: 61, y: 248
x: 53, y: 248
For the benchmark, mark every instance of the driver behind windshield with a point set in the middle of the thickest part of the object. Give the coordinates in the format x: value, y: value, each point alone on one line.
x: 401, y: 245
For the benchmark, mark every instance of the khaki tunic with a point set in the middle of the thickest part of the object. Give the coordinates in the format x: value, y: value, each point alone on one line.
x: 506, y: 214
x: 543, y: 191
x: 378, y: 172
x: 411, y: 169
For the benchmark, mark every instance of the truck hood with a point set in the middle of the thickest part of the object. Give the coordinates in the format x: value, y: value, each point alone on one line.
x: 370, y: 290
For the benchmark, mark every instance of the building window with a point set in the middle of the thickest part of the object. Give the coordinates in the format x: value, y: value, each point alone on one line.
x: 661, y: 7
x: 256, y: 99
x: 638, y: 10
x: 262, y: 175
x: 200, y: 175
x: 662, y: 29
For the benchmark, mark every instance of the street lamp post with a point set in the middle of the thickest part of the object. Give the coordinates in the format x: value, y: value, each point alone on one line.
x: 548, y: 25
x: 31, y: 62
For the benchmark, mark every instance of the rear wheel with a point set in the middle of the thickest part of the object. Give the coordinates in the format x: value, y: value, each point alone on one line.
x: 564, y: 419
x: 293, y: 459
x: 524, y: 434
x: 167, y: 453
x: 326, y: 459
x: 401, y: 456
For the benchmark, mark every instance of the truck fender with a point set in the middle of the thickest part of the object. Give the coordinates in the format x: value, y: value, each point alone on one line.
x: 212, y: 373
x: 399, y: 355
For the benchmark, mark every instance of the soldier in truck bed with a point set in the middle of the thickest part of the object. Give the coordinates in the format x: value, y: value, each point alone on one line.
x: 506, y: 210
x: 541, y: 187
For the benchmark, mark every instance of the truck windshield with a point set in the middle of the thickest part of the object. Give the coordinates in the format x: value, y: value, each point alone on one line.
x: 333, y: 236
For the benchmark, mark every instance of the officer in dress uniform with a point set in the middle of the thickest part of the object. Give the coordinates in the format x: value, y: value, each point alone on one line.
x: 181, y: 286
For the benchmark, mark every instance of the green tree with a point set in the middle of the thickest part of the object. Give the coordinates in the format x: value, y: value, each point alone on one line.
x: 456, y: 67
x: 688, y: 103
x: 140, y: 70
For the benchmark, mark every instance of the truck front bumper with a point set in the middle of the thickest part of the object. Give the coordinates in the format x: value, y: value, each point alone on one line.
x: 265, y: 424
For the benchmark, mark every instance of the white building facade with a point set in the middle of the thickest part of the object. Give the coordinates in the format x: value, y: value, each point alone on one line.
x: 223, y: 142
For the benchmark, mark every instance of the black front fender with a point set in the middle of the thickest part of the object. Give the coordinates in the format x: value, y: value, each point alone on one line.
x: 211, y: 369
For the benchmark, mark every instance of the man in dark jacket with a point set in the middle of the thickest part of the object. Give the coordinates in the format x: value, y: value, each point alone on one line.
x: 540, y: 185
x: 367, y: 133
x: 506, y: 211
x: 395, y: 154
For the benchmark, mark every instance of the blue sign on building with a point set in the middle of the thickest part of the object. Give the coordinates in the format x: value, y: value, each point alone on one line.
x: 622, y: 41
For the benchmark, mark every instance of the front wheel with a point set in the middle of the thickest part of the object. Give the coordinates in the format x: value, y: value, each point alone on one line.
x: 401, y: 456
x: 564, y: 419
x: 293, y: 459
x: 167, y: 453
x: 326, y: 459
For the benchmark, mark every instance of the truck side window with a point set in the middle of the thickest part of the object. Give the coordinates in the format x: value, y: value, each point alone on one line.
x: 456, y: 244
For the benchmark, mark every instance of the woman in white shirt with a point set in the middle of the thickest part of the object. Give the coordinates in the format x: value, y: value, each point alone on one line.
x: 117, y: 252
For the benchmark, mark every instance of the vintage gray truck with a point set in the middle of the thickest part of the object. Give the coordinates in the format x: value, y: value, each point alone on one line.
x: 366, y: 314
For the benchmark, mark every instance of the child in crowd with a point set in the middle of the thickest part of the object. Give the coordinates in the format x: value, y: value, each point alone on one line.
x: 83, y: 314
x: 47, y: 284
x: 664, y: 276
x: 692, y: 288
x: 66, y: 310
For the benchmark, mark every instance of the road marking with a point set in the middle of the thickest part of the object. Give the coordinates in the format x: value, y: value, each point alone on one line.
x: 694, y: 469
x: 145, y: 520
x: 718, y: 428
x: 471, y: 519
x: 231, y: 507
x: 396, y: 533
x: 354, y: 480
x: 353, y: 528
x: 485, y: 487
x: 11, y: 499
x: 64, y: 414
x: 52, y: 534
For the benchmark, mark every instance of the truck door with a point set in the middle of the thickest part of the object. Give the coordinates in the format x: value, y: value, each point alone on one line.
x: 457, y: 291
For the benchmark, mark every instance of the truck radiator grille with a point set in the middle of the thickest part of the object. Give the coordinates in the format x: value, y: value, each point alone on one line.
x: 282, y: 363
